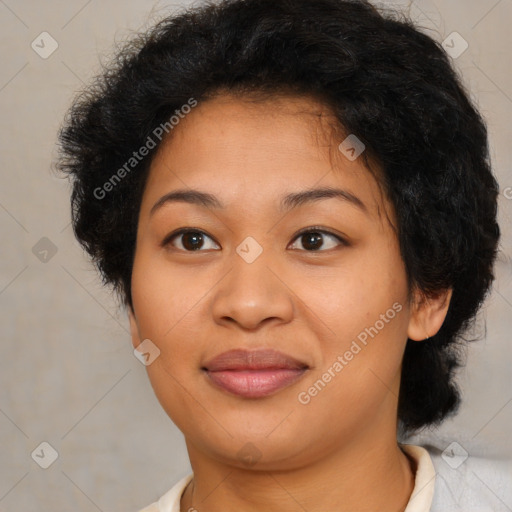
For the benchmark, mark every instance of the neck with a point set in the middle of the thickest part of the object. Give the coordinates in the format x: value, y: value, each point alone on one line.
x: 367, y: 475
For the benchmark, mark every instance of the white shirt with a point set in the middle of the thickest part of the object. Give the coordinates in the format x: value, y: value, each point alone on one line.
x: 431, y: 492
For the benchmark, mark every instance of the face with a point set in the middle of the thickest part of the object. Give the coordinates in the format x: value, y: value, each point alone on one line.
x: 317, y: 278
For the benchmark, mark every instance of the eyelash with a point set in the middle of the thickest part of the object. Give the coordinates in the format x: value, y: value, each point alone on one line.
x: 313, y: 229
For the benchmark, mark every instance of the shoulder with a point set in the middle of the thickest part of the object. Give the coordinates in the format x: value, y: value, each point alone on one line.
x: 151, y: 508
x: 170, y: 501
x: 464, y: 482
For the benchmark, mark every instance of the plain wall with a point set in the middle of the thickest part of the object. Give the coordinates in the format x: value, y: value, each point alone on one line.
x: 68, y: 373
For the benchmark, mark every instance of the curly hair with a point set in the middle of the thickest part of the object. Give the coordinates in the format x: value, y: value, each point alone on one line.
x: 386, y: 82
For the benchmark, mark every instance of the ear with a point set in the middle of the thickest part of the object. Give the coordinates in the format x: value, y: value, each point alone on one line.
x: 134, y: 329
x: 428, y: 314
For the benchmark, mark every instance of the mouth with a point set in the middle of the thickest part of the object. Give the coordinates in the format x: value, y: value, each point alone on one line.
x: 255, y: 373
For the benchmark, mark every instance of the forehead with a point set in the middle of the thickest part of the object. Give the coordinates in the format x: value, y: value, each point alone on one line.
x: 257, y: 150
x: 287, y: 125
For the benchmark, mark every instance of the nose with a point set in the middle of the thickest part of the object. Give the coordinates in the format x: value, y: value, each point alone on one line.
x: 253, y: 294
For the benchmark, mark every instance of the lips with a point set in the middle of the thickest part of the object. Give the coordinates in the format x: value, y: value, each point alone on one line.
x: 262, y: 359
x: 255, y: 373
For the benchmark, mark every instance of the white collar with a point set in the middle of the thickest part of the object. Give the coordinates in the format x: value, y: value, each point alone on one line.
x: 424, y: 479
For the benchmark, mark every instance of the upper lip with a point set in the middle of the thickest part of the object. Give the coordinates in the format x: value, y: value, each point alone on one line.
x: 241, y: 359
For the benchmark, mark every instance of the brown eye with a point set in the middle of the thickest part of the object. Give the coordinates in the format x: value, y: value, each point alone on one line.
x: 189, y: 240
x: 313, y: 240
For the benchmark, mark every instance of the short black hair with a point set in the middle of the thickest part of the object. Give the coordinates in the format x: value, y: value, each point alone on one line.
x: 386, y: 81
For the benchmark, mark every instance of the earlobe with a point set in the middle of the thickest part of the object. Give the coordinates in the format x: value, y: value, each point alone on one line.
x: 428, y: 314
x: 134, y: 330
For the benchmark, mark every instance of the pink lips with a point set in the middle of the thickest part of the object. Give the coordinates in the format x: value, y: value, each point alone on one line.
x: 254, y: 374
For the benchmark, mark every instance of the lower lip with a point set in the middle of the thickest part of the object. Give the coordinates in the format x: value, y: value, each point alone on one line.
x: 254, y: 383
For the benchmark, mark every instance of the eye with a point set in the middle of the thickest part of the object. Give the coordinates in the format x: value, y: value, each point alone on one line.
x: 190, y: 239
x: 313, y: 239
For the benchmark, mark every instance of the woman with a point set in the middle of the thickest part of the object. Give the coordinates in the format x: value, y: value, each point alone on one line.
x: 295, y: 203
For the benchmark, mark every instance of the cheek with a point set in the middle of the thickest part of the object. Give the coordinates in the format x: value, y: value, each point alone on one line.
x: 164, y: 296
x: 352, y: 296
x: 163, y: 301
x: 361, y: 309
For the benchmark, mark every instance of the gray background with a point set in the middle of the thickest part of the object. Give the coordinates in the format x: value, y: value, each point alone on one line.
x: 67, y: 369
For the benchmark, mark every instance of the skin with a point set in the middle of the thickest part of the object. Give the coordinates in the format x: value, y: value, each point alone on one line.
x: 339, y: 451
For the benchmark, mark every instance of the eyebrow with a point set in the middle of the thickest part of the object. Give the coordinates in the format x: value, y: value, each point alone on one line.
x: 288, y: 202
